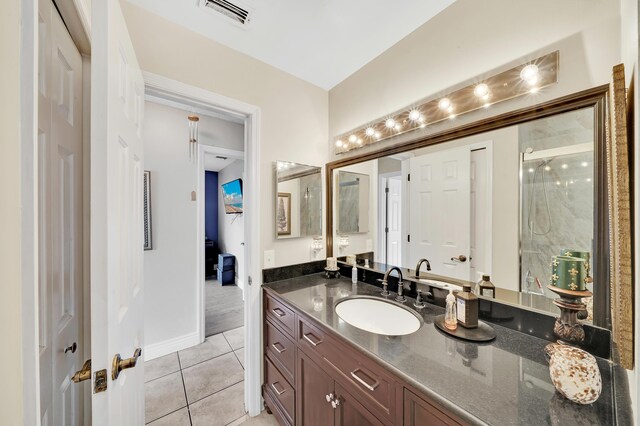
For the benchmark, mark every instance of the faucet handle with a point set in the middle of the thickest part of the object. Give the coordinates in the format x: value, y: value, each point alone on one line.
x: 385, y: 291
x: 419, y: 303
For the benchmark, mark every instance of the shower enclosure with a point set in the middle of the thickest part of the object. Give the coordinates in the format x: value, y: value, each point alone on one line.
x: 556, y: 194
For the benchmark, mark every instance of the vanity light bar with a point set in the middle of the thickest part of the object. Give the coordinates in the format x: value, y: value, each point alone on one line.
x: 527, y: 78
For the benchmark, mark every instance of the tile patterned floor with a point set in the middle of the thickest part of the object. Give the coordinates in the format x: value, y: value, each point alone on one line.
x: 202, y: 385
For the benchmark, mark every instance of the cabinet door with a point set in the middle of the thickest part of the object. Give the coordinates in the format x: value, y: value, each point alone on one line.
x: 418, y: 412
x: 312, y: 387
x: 350, y: 412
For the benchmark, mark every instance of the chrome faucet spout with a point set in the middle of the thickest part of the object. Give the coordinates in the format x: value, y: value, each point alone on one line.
x: 420, y: 262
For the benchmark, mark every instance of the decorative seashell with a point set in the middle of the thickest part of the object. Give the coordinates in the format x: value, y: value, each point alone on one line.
x: 574, y: 373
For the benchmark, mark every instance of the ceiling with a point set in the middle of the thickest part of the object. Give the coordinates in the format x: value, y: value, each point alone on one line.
x: 320, y: 41
x: 213, y: 163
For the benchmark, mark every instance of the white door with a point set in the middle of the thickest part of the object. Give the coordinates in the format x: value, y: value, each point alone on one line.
x: 480, y: 248
x: 394, y: 217
x: 117, y: 90
x: 60, y: 220
x: 439, y: 211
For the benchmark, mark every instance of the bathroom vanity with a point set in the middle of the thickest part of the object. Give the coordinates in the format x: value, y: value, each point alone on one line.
x: 320, y: 370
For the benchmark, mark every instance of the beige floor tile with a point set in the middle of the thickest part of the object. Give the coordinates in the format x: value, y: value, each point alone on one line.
x: 212, y: 347
x: 263, y: 419
x: 210, y: 376
x: 220, y: 408
x: 177, y: 418
x: 235, y: 337
x: 161, y: 366
x: 163, y: 396
x: 240, y: 355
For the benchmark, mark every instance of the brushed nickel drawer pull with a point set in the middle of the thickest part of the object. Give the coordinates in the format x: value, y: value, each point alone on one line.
x: 273, y: 345
x: 279, y: 312
x: 306, y: 337
x: 362, y: 382
x: 273, y: 385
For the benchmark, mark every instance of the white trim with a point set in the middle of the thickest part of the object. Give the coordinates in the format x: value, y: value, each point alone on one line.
x: 382, y: 180
x: 488, y: 145
x: 185, y: 94
x: 29, y: 206
x: 557, y: 152
x: 166, y: 347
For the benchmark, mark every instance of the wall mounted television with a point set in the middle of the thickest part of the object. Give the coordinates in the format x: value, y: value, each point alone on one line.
x: 232, y: 196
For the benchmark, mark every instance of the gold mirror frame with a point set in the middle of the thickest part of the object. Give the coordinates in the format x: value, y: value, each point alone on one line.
x: 613, y: 227
x: 619, y: 174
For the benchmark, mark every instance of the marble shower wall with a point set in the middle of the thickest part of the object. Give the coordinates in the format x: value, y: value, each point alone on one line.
x: 556, y: 194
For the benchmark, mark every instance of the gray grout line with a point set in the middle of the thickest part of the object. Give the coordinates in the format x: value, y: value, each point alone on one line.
x: 184, y: 387
x: 165, y: 415
x: 218, y: 391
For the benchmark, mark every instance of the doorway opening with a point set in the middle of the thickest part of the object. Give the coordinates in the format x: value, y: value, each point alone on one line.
x: 224, y: 240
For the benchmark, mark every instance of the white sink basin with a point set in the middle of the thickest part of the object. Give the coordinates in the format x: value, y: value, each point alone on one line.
x: 378, y: 316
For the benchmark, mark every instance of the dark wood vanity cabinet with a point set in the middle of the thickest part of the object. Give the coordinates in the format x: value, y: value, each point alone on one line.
x: 314, y: 377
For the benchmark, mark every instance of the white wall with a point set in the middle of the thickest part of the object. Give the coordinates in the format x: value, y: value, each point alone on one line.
x: 170, y: 275
x: 294, y: 113
x: 11, y: 396
x: 231, y: 226
x: 468, y: 41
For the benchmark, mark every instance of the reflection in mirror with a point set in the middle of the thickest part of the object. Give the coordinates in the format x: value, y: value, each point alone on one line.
x: 499, y: 203
x: 353, y: 202
x: 299, y: 200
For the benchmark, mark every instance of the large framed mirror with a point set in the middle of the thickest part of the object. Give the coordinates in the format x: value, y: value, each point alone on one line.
x: 498, y: 197
x: 298, y: 203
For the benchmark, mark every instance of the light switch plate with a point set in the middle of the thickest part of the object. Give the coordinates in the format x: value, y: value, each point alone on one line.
x: 269, y: 259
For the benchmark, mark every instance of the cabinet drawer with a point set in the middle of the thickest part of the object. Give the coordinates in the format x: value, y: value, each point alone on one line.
x: 280, y: 389
x: 281, y: 350
x: 364, y: 376
x: 276, y: 410
x: 280, y: 314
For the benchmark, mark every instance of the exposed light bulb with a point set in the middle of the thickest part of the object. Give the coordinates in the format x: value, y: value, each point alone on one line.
x: 414, y: 115
x: 444, y: 104
x: 481, y: 90
x: 530, y: 74
x: 352, y: 138
x: 378, y: 135
x: 370, y: 131
x: 390, y: 123
x: 339, y: 143
x: 359, y: 141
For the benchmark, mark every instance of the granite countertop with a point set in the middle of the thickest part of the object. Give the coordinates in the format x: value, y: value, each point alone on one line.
x: 503, y: 382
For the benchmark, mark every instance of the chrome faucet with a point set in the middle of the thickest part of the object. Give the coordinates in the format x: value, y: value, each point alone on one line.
x: 401, y: 284
x: 420, y: 262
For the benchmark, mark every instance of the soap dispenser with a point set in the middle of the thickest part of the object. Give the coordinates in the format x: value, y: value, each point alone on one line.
x: 450, y: 317
x: 467, y: 308
x: 354, y: 274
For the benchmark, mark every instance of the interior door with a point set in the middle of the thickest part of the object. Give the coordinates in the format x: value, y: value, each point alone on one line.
x: 439, y: 214
x: 117, y: 90
x: 60, y: 220
x: 394, y: 218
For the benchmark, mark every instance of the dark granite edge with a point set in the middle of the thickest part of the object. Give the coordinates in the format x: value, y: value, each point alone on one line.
x: 292, y: 271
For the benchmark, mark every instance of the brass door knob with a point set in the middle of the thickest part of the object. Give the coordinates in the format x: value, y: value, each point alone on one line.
x: 120, y: 364
x: 462, y: 258
x: 83, y: 374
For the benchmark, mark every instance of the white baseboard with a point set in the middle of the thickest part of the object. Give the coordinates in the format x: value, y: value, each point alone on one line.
x: 166, y: 347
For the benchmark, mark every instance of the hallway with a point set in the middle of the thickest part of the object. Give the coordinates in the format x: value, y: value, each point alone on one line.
x: 224, y: 307
x: 202, y: 385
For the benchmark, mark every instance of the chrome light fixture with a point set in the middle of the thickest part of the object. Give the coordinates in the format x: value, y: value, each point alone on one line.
x: 525, y: 79
x: 193, y: 137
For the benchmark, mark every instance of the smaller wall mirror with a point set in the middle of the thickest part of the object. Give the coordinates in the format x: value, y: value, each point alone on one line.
x: 353, y: 202
x: 298, y: 207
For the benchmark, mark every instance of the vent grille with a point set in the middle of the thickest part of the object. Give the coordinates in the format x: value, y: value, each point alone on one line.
x: 230, y: 10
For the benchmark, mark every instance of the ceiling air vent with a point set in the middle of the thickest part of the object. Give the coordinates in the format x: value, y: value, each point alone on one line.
x: 230, y: 10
